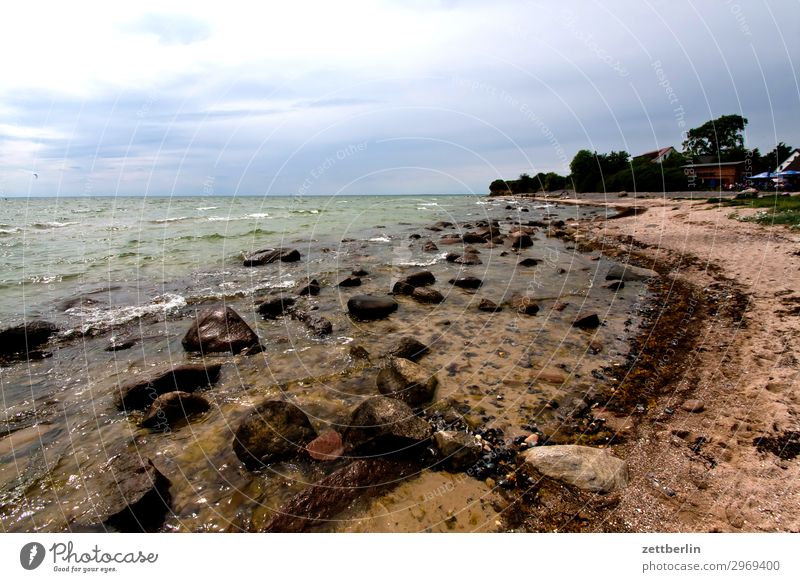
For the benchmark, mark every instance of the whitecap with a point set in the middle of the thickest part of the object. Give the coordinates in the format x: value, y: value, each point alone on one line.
x: 53, y: 224
x: 99, y: 318
x: 165, y: 220
x: 258, y: 215
x: 380, y: 239
x: 207, y: 208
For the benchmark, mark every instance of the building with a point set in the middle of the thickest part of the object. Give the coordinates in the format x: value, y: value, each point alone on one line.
x: 791, y: 163
x: 714, y: 174
x: 657, y: 156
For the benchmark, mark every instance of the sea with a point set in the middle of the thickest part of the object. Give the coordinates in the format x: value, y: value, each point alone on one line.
x: 134, y: 271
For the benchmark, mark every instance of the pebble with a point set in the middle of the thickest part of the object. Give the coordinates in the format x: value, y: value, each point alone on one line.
x: 693, y: 405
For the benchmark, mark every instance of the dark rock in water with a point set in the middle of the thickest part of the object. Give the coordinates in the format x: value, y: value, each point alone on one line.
x: 312, y: 288
x: 528, y: 262
x: 326, y: 447
x: 441, y: 225
x: 267, y: 256
x: 359, y: 272
x: 402, y: 288
x: 220, y: 329
x: 408, y: 348
x: 404, y: 380
x: 459, y: 449
x: 139, y: 393
x: 384, y: 425
x: 468, y: 282
x: 586, y: 320
x: 629, y: 273
x: 172, y: 407
x: 79, y: 302
x: 519, y: 240
x: 335, y: 493
x: 525, y: 305
x: 430, y: 247
x: 450, y: 239
x: 368, y: 307
x: 133, y: 496
x: 474, y: 238
x: 427, y: 295
x: 415, y: 236
x: 490, y: 306
x: 351, y: 281
x: 359, y: 353
x: 420, y: 279
x: 315, y: 322
x: 273, y: 431
x: 275, y: 307
x: 26, y: 337
x: 560, y: 306
x: 615, y: 285
x: 465, y: 259
x: 116, y: 345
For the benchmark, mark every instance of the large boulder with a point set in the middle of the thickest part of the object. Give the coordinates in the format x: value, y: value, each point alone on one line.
x: 173, y: 407
x: 267, y: 256
x: 368, y: 307
x: 275, y: 307
x: 584, y: 467
x: 274, y: 431
x: 409, y: 348
x: 220, y: 329
x: 384, y: 425
x: 143, y: 390
x: 419, y: 279
x: 629, y: 273
x: 459, y: 450
x: 26, y: 337
x: 404, y: 380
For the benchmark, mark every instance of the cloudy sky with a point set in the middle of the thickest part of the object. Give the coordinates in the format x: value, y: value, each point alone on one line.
x: 384, y: 97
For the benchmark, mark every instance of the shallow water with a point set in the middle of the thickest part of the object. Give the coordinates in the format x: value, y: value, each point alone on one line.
x: 505, y: 366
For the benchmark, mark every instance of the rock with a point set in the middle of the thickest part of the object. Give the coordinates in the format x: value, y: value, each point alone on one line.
x: 326, y: 447
x: 267, y: 256
x: 596, y: 346
x: 441, y: 225
x: 467, y: 282
x: 415, y: 236
x: 359, y: 272
x: 273, y: 431
x: 629, y: 273
x: 528, y: 262
x: 586, y: 320
x: 459, y: 449
x: 384, y: 425
x: 473, y: 238
x: 324, y: 500
x: 489, y: 306
x: 430, y: 247
x: 351, y: 281
x: 427, y: 295
x: 408, y: 348
x: 465, y: 259
x: 139, y: 393
x: 116, y: 345
x: 615, y: 285
x: 560, y: 306
x: 172, y: 407
x: 519, y: 240
x: 312, y: 288
x: 132, y: 496
x: 420, y: 279
x: 369, y: 307
x: 525, y: 305
x: 450, y: 239
x: 404, y: 380
x: 275, y: 307
x: 584, y: 467
x: 220, y: 329
x: 622, y: 194
x: 315, y: 322
x: 26, y: 337
x: 359, y: 353
x: 693, y: 405
x: 402, y: 288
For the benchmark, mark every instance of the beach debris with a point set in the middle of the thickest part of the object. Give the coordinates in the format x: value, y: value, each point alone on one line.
x: 587, y: 468
x: 369, y: 307
x: 173, y: 407
x: 220, y: 329
x: 267, y: 256
x: 407, y: 381
x: 141, y: 391
x: 273, y: 431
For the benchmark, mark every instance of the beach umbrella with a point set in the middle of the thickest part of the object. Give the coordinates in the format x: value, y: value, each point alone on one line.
x: 762, y: 176
x: 788, y: 173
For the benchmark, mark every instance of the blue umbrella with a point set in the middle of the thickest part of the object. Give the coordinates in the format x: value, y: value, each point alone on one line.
x: 788, y: 173
x: 762, y: 176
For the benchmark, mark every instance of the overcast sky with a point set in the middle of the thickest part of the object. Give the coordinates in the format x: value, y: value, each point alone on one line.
x: 383, y: 97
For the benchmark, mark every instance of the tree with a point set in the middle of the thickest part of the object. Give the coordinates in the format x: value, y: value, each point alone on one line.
x: 777, y: 156
x: 585, y: 171
x: 719, y: 137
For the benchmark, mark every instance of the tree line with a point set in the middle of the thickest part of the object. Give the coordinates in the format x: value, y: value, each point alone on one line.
x: 717, y: 140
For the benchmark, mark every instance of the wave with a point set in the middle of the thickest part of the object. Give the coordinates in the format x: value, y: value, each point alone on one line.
x: 258, y: 215
x: 53, y: 224
x: 303, y: 211
x: 166, y: 220
x: 95, y: 319
x: 9, y: 231
x: 201, y: 208
x: 210, y: 236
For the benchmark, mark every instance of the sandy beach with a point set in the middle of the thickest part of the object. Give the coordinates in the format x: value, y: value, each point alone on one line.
x: 693, y: 461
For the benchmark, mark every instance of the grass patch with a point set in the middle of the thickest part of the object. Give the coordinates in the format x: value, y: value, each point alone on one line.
x: 775, y: 208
